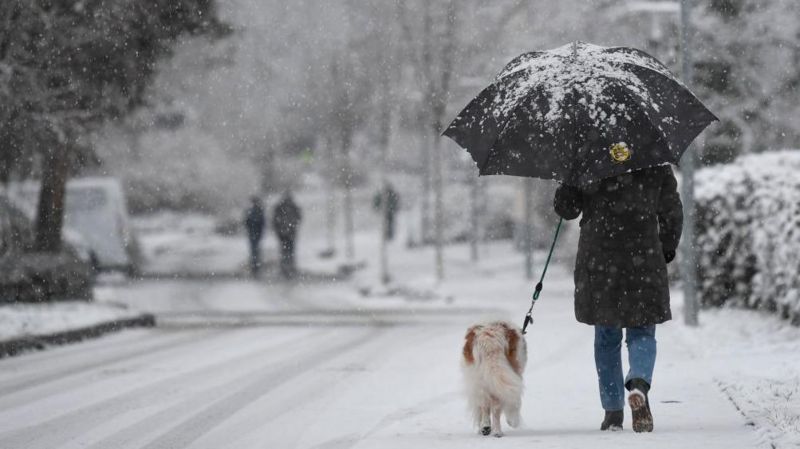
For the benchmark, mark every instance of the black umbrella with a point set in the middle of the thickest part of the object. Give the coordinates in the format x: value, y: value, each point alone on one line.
x: 580, y: 113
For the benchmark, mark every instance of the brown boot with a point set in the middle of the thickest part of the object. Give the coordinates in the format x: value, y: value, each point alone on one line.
x: 640, y: 405
x: 613, y: 421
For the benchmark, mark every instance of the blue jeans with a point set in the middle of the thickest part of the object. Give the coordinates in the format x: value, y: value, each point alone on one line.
x: 641, y: 343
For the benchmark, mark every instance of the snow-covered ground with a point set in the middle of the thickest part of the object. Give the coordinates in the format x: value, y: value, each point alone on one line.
x: 174, y: 243
x: 245, y: 363
x: 754, y: 359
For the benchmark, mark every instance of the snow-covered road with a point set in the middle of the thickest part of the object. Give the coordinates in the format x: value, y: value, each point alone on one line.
x: 239, y: 364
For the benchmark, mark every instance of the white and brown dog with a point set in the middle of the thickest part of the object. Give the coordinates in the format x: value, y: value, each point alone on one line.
x: 494, y: 358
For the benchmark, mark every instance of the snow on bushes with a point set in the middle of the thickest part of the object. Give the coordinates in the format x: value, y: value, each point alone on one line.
x: 748, y: 235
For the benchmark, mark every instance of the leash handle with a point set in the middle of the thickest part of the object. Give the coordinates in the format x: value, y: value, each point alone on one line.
x: 540, y: 285
x: 528, y: 320
x: 537, y: 290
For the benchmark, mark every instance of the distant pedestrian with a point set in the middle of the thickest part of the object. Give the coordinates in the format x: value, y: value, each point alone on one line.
x: 630, y: 230
x: 387, y: 202
x: 254, y: 223
x: 286, y: 219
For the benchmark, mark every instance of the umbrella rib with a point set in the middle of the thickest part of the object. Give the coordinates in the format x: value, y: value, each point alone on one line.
x: 505, y: 126
x: 681, y: 87
x: 647, y: 110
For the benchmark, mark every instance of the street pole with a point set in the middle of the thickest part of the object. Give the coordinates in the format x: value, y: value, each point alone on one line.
x: 527, y: 233
x: 475, y: 229
x: 330, y: 195
x: 438, y: 206
x: 384, y: 210
x: 688, y: 254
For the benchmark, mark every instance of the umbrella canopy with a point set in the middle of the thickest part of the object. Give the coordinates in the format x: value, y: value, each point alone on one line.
x: 580, y: 113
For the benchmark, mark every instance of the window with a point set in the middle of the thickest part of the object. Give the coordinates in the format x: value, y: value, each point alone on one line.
x: 85, y: 199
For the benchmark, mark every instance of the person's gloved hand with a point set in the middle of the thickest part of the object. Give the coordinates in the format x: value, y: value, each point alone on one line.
x: 669, y: 256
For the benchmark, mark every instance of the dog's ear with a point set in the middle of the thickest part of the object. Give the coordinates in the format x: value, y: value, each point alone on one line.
x: 512, y: 337
x: 469, y: 341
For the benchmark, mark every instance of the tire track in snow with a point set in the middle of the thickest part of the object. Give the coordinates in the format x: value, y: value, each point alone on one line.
x: 322, y: 395
x: 156, y: 347
x: 57, y: 354
x: 96, y: 374
x: 267, y: 379
x: 64, y: 428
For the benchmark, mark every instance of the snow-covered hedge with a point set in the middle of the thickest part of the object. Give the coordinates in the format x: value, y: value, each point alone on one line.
x: 749, y: 233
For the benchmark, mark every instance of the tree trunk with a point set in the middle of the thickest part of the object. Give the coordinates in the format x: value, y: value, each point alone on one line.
x: 268, y: 172
x: 50, y: 216
x: 386, y: 129
x: 330, y: 206
x: 425, y: 210
x: 438, y: 206
x: 349, y: 238
x: 475, y: 228
x: 133, y: 133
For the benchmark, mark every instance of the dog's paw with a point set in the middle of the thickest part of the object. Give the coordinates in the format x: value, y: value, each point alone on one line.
x: 513, y: 421
x: 486, y: 430
x: 498, y: 434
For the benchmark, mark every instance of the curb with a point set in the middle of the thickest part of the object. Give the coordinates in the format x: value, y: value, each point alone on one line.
x: 10, y: 348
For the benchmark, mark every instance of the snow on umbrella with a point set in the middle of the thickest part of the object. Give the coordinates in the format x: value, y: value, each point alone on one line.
x: 580, y: 113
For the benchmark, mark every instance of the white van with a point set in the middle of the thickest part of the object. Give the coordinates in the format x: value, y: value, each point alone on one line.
x: 95, y: 210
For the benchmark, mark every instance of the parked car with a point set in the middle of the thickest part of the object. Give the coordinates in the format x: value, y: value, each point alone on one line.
x: 95, y: 210
x: 28, y: 275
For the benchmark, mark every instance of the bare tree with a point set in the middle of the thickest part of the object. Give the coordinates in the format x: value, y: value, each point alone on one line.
x: 387, y: 62
x: 442, y: 34
x: 352, y: 92
x: 433, y: 58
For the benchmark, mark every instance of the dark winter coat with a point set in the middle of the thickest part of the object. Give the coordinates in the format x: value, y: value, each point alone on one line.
x: 286, y: 218
x: 254, y: 222
x: 630, y: 230
x: 392, y: 201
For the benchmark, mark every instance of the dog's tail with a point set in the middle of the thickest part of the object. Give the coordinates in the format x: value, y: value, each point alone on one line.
x: 504, y: 384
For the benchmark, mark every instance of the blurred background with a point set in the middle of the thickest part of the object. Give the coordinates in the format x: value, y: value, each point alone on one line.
x: 126, y: 127
x: 181, y: 111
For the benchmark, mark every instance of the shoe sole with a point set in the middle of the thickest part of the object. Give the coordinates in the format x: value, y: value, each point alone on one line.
x: 642, y: 418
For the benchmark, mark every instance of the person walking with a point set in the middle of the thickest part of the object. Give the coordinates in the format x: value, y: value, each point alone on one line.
x: 630, y: 229
x: 286, y: 219
x: 605, y: 122
x: 387, y: 202
x: 254, y: 223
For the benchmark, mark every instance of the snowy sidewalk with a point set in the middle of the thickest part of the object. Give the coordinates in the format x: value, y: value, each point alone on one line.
x: 754, y: 360
x: 34, y: 326
x: 409, y: 396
